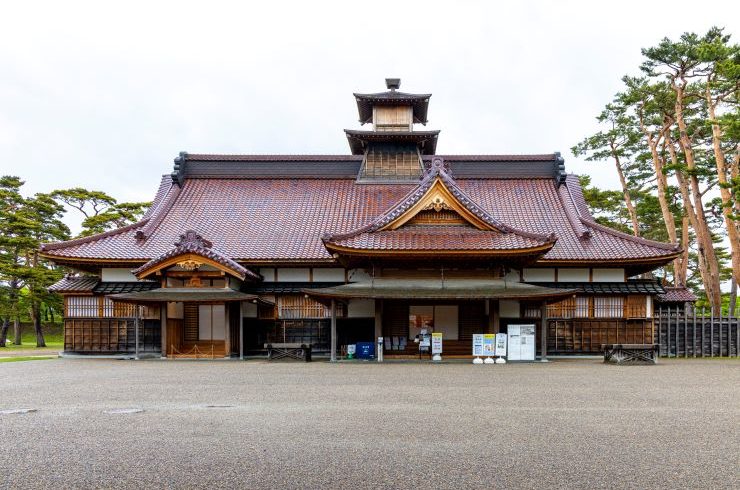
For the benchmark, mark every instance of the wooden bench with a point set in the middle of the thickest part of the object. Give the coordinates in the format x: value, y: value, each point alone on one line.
x: 630, y: 353
x: 300, y: 352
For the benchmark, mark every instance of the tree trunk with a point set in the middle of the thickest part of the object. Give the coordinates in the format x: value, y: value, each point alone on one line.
x: 683, y: 266
x: 17, y: 331
x: 733, y: 297
x: 627, y: 197
x: 724, y: 191
x: 4, y: 331
x: 693, y: 214
x: 40, y: 342
x: 703, y: 233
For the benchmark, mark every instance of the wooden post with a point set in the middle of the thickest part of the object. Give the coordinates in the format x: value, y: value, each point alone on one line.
x: 543, y: 333
x: 241, y: 330
x: 163, y: 320
x: 378, y: 319
x: 136, y: 329
x: 227, y: 330
x: 333, y: 330
x: 496, y: 317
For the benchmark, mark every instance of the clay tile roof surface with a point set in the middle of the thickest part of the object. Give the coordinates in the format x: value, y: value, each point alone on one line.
x: 283, y: 219
x: 677, y: 295
x: 75, y: 284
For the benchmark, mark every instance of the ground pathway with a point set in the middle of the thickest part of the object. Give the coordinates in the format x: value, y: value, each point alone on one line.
x: 566, y: 424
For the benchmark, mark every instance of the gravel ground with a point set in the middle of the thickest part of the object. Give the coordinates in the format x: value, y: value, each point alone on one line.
x: 574, y: 424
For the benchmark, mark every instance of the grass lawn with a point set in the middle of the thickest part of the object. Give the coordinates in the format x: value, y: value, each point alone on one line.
x: 26, y: 358
x: 52, y: 334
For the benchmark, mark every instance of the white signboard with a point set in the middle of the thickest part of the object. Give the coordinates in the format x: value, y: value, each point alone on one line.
x: 477, y: 344
x: 489, y: 344
x: 501, y: 344
x: 521, y: 343
x: 436, y: 342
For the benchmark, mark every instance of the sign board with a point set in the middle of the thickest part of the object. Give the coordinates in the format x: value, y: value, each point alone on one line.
x: 436, y: 342
x: 521, y: 343
x: 489, y: 343
x: 501, y: 344
x: 477, y: 344
x: 351, y: 349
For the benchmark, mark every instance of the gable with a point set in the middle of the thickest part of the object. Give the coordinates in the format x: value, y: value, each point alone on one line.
x: 436, y: 200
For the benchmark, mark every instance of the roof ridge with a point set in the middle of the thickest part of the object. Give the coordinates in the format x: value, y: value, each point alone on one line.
x: 572, y: 212
x: 158, y: 214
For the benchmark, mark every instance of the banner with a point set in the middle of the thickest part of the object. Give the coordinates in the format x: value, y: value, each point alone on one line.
x: 501, y: 344
x: 477, y: 344
x: 436, y: 342
x: 489, y: 344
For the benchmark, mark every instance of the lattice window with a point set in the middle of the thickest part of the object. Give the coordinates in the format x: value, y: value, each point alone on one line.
x: 82, y: 306
x: 577, y: 307
x: 391, y: 163
x: 608, y: 306
x: 296, y: 306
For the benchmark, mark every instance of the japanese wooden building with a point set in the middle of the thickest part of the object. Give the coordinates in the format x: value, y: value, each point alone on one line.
x: 242, y: 250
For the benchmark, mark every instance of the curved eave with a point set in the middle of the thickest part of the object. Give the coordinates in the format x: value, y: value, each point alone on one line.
x: 427, y: 253
x: 358, y: 139
x: 418, y: 102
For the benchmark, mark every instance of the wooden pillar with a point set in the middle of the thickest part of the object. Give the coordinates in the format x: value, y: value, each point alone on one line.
x: 163, y: 321
x: 333, y: 330
x: 136, y: 328
x: 543, y: 333
x: 241, y: 330
x: 378, y: 319
x: 227, y: 331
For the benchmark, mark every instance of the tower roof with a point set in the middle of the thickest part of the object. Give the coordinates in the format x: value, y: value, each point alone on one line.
x: 418, y: 102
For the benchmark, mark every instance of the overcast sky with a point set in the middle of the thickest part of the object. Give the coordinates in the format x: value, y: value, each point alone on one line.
x: 105, y: 97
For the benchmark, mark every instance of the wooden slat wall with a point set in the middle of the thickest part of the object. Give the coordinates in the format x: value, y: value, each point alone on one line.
x: 681, y: 333
x: 190, y: 322
x: 585, y: 336
x: 110, y: 335
x: 395, y: 319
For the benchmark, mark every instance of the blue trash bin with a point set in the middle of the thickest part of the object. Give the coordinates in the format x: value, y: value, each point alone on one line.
x: 365, y: 350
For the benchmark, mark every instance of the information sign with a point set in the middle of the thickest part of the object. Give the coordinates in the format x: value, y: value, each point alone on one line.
x: 489, y: 344
x: 477, y: 344
x: 436, y: 342
x: 521, y: 343
x: 501, y: 344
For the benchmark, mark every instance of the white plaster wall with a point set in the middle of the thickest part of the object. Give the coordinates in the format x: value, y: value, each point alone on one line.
x: 508, y: 308
x: 268, y: 273
x: 649, y: 306
x: 356, y: 275
x: 328, y: 275
x: 119, y: 275
x: 538, y: 275
x: 293, y: 274
x: 608, y: 275
x: 573, y: 275
x: 249, y: 309
x: 361, y: 308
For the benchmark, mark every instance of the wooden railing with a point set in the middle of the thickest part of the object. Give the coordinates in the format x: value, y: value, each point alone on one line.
x: 683, y: 333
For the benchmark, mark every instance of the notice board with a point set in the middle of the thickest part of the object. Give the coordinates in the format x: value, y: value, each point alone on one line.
x: 521, y: 343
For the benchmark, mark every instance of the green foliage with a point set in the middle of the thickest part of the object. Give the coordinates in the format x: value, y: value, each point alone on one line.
x: 101, y: 212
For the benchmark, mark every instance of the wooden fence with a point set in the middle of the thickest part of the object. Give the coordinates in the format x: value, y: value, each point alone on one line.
x: 682, y: 333
x: 111, y: 335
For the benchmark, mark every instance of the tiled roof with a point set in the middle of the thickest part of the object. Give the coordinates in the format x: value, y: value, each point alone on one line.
x: 629, y: 287
x: 115, y: 287
x: 437, y: 238
x: 283, y: 219
x: 462, y: 238
x: 285, y: 287
x: 677, y: 295
x: 74, y: 284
